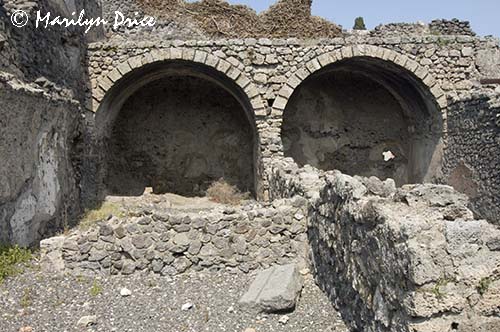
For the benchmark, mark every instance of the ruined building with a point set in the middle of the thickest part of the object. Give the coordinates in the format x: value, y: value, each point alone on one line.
x: 365, y: 132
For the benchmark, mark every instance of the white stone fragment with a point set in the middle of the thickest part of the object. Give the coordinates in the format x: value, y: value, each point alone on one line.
x: 125, y: 292
x: 187, y: 306
x: 388, y: 155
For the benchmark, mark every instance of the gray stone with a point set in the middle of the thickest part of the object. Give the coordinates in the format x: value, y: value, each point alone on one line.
x: 97, y: 255
x: 120, y: 232
x: 51, y: 254
x: 274, y: 290
x: 105, y: 230
x: 157, y: 265
x: 141, y: 241
x: 181, y: 239
x: 128, y: 267
x: 195, y: 247
x: 182, y: 264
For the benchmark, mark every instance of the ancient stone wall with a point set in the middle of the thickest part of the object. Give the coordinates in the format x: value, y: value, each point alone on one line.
x: 451, y: 27
x: 474, y: 147
x: 406, y: 259
x: 441, y: 27
x: 39, y: 180
x: 266, y: 76
x: 392, y: 259
x: 350, y: 119
x: 171, y: 242
x: 400, y: 29
x: 269, y: 71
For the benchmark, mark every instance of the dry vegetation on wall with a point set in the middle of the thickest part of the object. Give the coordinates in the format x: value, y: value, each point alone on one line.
x: 222, y: 192
x: 217, y: 18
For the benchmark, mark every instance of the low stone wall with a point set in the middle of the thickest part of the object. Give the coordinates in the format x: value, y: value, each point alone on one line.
x: 171, y: 242
x: 406, y: 259
x: 38, y: 180
x: 451, y: 27
x: 436, y: 27
x: 400, y: 29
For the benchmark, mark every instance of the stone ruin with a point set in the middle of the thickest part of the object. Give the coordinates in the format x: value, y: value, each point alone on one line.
x: 372, y: 156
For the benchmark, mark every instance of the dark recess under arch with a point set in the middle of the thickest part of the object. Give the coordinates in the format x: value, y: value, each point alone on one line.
x: 354, y: 114
x: 176, y: 126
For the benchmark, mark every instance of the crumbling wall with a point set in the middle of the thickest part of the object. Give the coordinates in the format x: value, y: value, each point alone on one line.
x: 440, y: 27
x: 406, y: 259
x: 471, y: 157
x: 451, y: 27
x: 43, y: 78
x: 445, y: 65
x: 38, y: 180
x: 400, y: 29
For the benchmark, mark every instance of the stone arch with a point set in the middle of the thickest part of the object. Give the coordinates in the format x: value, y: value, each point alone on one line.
x: 371, y: 51
x: 228, y: 68
x: 114, y: 89
x: 408, y: 85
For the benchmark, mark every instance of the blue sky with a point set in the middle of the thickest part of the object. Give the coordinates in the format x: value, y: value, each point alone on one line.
x: 484, y: 15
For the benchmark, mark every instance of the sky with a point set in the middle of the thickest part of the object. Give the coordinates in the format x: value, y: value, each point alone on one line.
x: 484, y: 15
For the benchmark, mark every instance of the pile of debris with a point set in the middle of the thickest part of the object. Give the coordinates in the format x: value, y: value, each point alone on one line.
x: 218, y: 18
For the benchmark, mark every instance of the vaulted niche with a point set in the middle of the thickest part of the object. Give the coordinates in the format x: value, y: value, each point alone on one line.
x: 177, y: 127
x: 365, y: 116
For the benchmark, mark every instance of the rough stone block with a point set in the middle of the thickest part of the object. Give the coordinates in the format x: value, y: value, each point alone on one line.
x: 274, y: 290
x: 124, y: 68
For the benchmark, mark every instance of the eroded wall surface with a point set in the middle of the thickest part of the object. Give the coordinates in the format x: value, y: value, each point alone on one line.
x: 43, y: 78
x: 51, y: 55
x: 38, y: 182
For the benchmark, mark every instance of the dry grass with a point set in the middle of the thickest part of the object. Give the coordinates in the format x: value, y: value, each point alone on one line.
x: 91, y: 217
x: 222, y: 192
x: 217, y: 18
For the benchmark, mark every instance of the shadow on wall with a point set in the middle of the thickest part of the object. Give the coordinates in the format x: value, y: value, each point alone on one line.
x: 365, y: 116
x: 176, y: 127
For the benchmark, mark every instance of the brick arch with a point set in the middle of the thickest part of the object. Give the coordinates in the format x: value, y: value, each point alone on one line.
x: 348, y: 52
x: 229, y: 69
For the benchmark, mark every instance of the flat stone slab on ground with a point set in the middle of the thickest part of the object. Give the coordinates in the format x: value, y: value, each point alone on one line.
x: 273, y: 290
